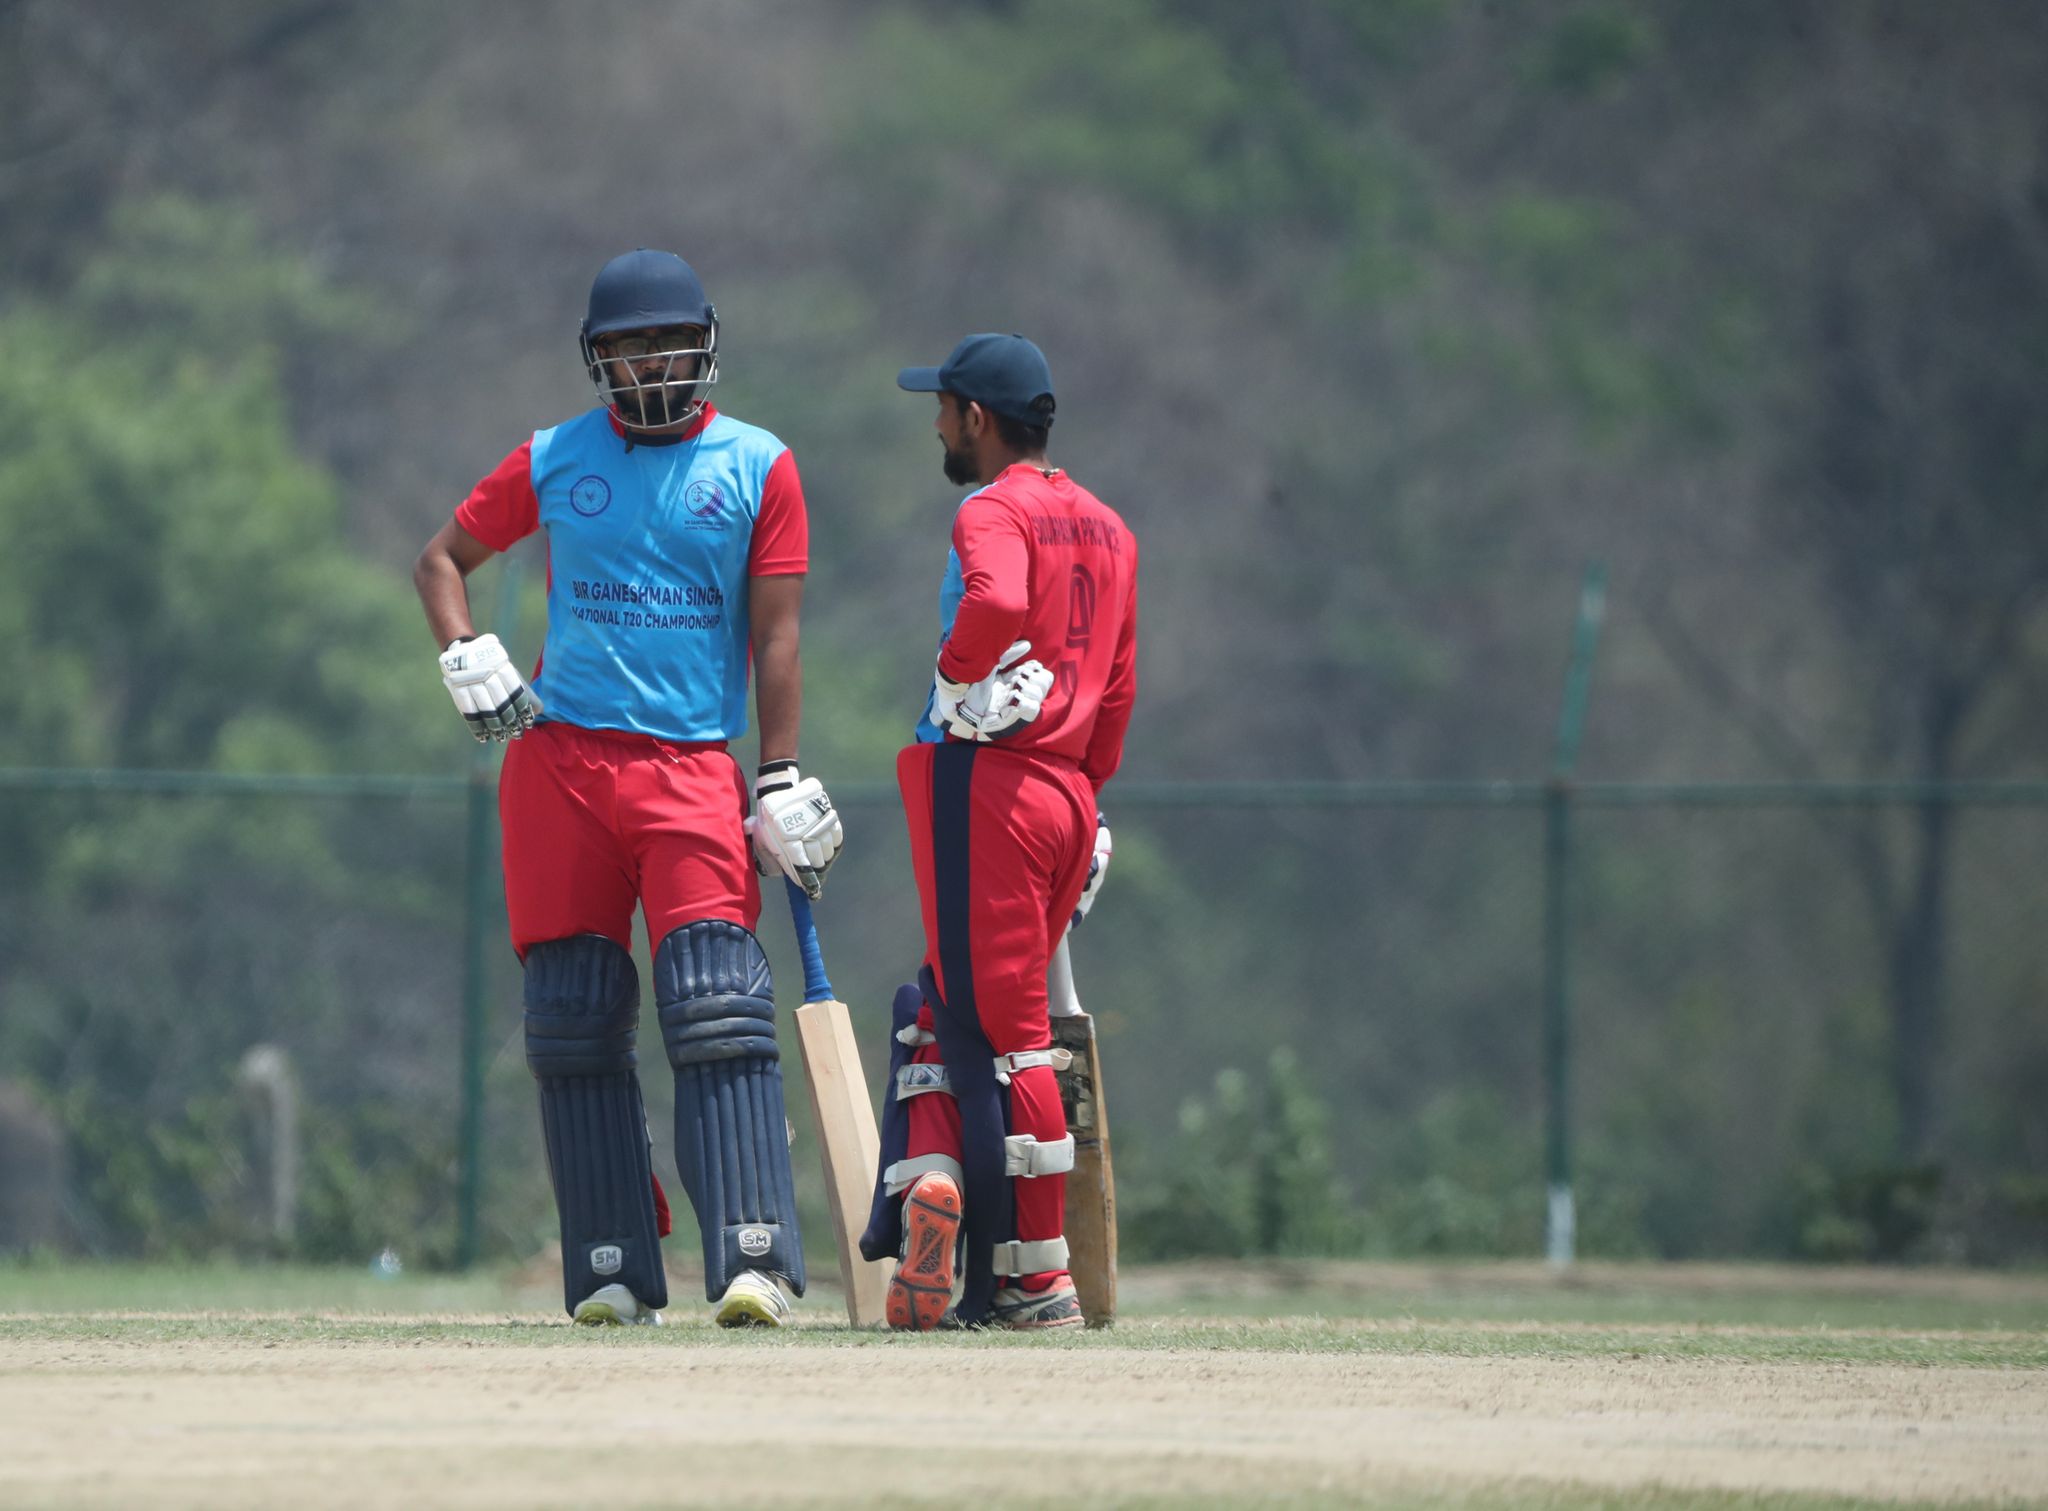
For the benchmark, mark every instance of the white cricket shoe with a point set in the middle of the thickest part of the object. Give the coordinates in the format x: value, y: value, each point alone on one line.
x: 615, y: 1306
x: 754, y: 1299
x: 1036, y: 1311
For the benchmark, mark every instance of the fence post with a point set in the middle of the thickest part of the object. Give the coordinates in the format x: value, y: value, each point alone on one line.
x: 1561, y: 1219
x: 478, y: 916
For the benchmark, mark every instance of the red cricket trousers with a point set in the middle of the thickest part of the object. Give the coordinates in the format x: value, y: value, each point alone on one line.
x: 1000, y: 849
x: 598, y: 820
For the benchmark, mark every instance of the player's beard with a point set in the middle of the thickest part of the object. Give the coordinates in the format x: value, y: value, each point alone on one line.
x: 633, y: 406
x: 960, y: 465
x: 643, y: 407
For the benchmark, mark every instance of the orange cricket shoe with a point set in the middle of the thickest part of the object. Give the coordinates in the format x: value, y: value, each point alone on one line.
x: 922, y: 1287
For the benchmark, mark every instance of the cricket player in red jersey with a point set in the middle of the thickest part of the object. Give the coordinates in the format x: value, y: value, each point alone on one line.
x: 677, y: 547
x: 1024, y: 724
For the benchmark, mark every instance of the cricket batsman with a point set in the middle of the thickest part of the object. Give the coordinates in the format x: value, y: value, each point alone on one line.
x: 677, y: 547
x: 1023, y: 725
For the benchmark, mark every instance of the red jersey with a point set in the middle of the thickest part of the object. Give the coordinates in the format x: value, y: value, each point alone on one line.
x: 1042, y: 559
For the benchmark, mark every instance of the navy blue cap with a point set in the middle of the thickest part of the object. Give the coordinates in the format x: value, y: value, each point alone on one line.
x: 1004, y: 373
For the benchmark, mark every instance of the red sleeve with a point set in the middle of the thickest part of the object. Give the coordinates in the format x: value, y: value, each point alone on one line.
x: 782, y: 529
x: 501, y: 510
x: 995, y: 571
x: 1106, y: 741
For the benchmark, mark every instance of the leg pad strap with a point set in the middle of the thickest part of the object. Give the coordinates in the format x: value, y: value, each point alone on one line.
x: 921, y: 1076
x: 1025, y: 1156
x: 901, y: 1176
x: 1014, y: 1258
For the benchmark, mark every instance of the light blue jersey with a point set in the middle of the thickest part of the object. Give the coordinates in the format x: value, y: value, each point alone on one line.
x: 952, y: 588
x: 648, y: 576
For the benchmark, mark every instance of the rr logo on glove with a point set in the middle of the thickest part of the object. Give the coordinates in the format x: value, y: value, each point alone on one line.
x: 795, y: 827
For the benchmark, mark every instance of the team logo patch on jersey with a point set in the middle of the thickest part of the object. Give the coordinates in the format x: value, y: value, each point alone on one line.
x: 704, y: 499
x: 590, y: 494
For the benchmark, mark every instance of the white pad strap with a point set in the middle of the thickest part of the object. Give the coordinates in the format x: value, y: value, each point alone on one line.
x: 1027, y: 1059
x: 1026, y: 1156
x: 915, y: 1035
x: 915, y: 1079
x: 1014, y: 1258
x: 901, y: 1176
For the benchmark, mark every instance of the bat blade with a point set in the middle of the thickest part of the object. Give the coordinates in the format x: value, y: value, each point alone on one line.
x: 1090, y: 1218
x: 845, y: 1120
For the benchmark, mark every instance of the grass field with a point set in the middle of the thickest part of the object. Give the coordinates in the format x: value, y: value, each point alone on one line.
x: 1481, y: 1386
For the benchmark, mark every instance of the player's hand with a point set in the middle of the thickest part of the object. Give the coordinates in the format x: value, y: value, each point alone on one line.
x: 487, y: 689
x: 999, y: 704
x: 795, y: 827
x: 1098, y: 868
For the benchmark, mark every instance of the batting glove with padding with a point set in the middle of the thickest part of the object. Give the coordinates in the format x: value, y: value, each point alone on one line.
x: 999, y: 704
x: 488, y: 691
x: 1098, y: 868
x: 795, y: 827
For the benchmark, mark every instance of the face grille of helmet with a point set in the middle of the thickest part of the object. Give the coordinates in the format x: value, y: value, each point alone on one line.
x: 647, y: 397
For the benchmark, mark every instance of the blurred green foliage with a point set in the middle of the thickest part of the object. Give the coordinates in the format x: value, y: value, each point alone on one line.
x: 1249, y: 1172
x: 177, y: 590
x: 173, y: 569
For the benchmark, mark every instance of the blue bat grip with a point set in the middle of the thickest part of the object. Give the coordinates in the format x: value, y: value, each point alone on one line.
x: 817, y: 986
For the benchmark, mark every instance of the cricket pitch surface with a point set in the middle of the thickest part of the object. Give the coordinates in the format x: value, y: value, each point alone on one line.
x: 237, y: 1409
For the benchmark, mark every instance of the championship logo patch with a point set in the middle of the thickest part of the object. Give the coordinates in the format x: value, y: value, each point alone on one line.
x: 704, y: 499
x: 590, y: 495
x: 754, y: 1242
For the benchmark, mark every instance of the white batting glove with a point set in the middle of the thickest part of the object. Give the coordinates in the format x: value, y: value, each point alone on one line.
x: 487, y: 689
x: 1004, y: 701
x: 1098, y: 868
x: 795, y: 827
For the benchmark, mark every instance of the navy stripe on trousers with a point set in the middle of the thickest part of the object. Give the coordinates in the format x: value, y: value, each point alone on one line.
x: 952, y: 878
x: 963, y: 1043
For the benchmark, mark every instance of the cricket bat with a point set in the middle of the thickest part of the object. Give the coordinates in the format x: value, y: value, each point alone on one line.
x: 1091, y: 1185
x: 844, y: 1118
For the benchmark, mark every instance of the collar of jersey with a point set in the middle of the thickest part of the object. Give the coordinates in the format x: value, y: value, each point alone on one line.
x: 1048, y: 474
x: 704, y: 417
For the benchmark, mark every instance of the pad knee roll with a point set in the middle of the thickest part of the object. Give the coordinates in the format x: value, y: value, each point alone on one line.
x: 717, y: 1008
x: 582, y: 1007
x: 582, y: 1000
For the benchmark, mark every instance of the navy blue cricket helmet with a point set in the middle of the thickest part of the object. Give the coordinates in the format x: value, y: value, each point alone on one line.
x: 646, y: 290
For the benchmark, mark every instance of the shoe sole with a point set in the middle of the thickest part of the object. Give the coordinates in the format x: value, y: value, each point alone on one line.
x: 1035, y: 1326
x: 598, y: 1314
x: 922, y: 1287
x: 748, y: 1311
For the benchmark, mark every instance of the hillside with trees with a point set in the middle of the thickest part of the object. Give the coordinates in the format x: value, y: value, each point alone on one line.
x: 1379, y: 319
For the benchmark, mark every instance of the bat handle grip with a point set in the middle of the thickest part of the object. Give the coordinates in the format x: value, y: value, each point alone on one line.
x: 817, y: 986
x: 1061, y: 999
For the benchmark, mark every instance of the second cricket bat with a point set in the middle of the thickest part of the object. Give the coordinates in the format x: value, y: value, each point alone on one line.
x: 845, y: 1121
x: 1091, y: 1185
